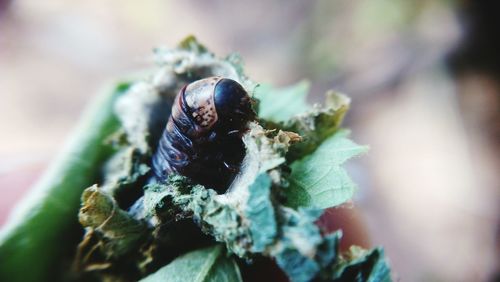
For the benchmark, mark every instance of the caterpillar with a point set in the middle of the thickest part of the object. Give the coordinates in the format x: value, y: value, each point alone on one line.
x: 203, y: 136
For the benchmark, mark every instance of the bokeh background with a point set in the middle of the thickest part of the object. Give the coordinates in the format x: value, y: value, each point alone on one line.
x: 423, y: 75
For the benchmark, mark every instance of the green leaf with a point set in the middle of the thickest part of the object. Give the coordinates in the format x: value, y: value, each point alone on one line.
x: 209, y: 264
x: 280, y: 104
x: 318, y: 180
x: 42, y: 230
x: 260, y: 213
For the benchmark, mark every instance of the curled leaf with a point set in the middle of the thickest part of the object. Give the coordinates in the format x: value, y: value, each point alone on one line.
x: 111, y: 232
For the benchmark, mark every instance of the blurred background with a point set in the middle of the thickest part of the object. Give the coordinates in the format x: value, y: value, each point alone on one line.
x: 424, y: 78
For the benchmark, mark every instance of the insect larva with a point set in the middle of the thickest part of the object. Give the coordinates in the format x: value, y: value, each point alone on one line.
x: 202, y: 138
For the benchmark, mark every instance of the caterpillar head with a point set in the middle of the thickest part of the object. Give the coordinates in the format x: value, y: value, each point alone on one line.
x: 218, y: 102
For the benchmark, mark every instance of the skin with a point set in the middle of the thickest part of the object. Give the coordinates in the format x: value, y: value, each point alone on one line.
x: 15, y: 184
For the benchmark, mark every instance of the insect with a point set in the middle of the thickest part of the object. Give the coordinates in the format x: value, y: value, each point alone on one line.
x: 203, y: 136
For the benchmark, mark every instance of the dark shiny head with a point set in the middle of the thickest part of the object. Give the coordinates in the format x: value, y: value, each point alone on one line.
x: 232, y: 103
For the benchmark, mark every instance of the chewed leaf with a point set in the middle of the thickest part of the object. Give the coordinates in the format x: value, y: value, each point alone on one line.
x: 280, y: 104
x: 209, y: 264
x: 314, y: 125
x: 260, y: 213
x: 191, y: 44
x: 318, y: 180
x: 362, y: 265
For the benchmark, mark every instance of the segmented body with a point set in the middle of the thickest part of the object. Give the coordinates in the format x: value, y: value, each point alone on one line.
x: 202, y: 138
